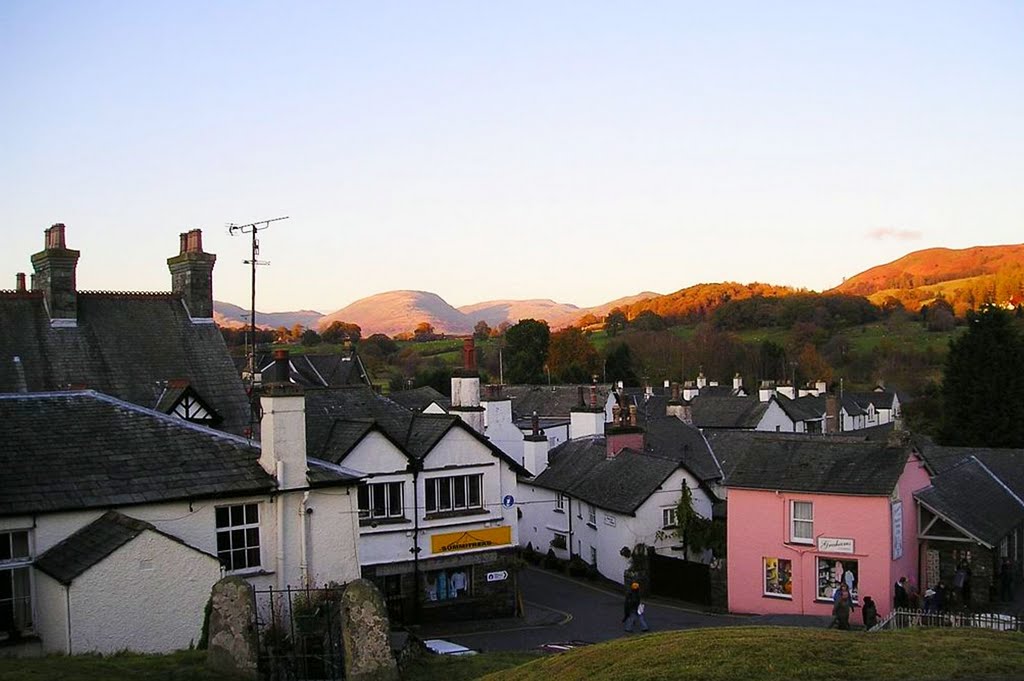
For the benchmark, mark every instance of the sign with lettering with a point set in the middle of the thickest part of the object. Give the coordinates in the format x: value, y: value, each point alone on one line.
x: 835, y: 545
x: 897, y: 530
x: 499, y: 576
x: 471, y: 539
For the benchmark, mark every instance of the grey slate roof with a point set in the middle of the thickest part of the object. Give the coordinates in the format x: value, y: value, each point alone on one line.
x: 94, y: 542
x: 882, y: 399
x: 553, y: 400
x: 81, y: 450
x: 581, y: 469
x: 338, y: 418
x: 128, y: 345
x: 420, y: 398
x: 318, y: 371
x: 806, y: 408
x: 801, y: 463
x: 727, y: 412
x: 669, y: 438
x: 970, y: 496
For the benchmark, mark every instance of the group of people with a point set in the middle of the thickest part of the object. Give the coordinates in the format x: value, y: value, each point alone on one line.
x: 843, y: 605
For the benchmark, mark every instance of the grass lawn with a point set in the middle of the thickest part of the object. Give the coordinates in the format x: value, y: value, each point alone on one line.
x: 726, y: 654
x: 730, y: 654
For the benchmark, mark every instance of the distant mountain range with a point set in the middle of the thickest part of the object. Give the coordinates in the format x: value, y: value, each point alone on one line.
x: 965, y: 277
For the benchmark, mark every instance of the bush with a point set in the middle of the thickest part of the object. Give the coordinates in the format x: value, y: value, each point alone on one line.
x: 551, y: 561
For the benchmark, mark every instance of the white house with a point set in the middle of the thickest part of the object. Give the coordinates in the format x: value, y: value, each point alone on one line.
x: 437, y: 525
x: 609, y: 489
x: 119, y: 519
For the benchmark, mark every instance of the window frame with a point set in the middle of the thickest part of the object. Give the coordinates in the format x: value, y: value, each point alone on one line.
x: 371, y: 490
x: 446, y: 488
x: 822, y: 564
x: 794, y: 521
x: 560, y: 503
x: 592, y: 515
x: 779, y: 569
x: 669, y: 517
x: 226, y: 556
x: 19, y: 564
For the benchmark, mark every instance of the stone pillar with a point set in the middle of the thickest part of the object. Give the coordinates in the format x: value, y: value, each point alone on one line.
x: 365, y: 631
x: 233, y: 647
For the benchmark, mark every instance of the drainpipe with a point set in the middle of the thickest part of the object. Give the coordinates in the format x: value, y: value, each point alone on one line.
x: 570, y: 526
x: 303, y: 558
x: 415, y: 465
x: 279, y: 559
x: 67, y: 609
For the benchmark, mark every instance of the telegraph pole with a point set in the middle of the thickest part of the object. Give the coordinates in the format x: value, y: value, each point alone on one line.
x: 253, y: 228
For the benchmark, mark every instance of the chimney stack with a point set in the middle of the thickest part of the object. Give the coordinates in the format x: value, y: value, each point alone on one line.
x: 192, y: 275
x: 282, y: 367
x: 586, y: 419
x: 535, y: 448
x: 832, y: 425
x: 19, y: 282
x: 624, y: 432
x: 54, y: 275
x: 466, y: 389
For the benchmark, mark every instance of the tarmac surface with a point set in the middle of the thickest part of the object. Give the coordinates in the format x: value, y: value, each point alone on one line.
x: 558, y: 608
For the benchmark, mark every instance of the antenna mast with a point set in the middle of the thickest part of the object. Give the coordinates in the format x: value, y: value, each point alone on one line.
x: 253, y: 228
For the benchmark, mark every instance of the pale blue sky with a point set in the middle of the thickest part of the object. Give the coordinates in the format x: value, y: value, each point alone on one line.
x: 578, y: 151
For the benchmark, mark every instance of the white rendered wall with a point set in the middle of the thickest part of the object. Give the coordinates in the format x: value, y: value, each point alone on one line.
x: 501, y: 430
x: 147, y: 596
x: 50, y: 607
x: 774, y: 418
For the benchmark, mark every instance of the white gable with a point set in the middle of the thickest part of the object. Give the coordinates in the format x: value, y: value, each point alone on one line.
x: 376, y: 454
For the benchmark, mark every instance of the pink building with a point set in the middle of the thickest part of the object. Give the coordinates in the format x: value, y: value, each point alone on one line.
x: 806, y: 514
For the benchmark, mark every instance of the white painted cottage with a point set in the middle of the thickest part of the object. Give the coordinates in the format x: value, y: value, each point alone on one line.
x: 116, y: 520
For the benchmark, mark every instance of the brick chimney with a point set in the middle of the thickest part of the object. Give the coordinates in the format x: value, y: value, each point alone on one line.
x: 832, y: 415
x: 624, y: 432
x: 19, y: 282
x: 192, y: 275
x: 55, y: 276
x: 466, y: 389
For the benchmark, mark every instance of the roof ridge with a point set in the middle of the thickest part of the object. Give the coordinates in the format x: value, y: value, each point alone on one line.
x: 997, y: 479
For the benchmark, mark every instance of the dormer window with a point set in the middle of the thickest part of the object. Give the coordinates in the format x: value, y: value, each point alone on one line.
x: 180, y: 399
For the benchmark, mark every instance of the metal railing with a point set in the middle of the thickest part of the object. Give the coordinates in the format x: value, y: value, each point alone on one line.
x: 298, y: 633
x: 903, y: 618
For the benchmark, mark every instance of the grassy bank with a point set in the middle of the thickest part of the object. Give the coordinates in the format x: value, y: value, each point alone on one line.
x: 786, y: 653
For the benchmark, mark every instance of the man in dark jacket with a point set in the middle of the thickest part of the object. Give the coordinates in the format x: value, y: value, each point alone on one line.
x: 633, y: 609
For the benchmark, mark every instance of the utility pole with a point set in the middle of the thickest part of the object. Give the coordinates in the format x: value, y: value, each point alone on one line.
x: 253, y: 228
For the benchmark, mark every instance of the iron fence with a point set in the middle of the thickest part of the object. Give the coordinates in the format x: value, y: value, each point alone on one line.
x: 298, y: 632
x: 902, y: 618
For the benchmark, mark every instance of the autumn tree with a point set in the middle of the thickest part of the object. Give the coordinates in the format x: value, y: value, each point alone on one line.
x: 310, y: 338
x: 615, y: 322
x: 526, y: 351
x: 571, y: 357
x: 482, y: 330
x: 983, y: 383
x: 339, y: 332
x: 424, y: 331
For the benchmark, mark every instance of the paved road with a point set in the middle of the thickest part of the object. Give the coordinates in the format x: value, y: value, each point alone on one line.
x: 559, y: 608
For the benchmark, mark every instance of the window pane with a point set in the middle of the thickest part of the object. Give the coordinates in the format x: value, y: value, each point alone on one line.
x: 802, y: 510
x: 460, y: 491
x: 379, y: 501
x: 253, y: 557
x: 19, y: 542
x: 252, y: 536
x: 5, y: 546
x: 252, y: 514
x: 444, y: 501
x: 431, y: 487
x: 237, y: 539
x: 474, y: 490
x: 364, y: 497
x: 238, y: 558
x: 237, y: 516
x: 223, y: 541
x: 6, y: 585
x: 222, y: 517
x: 395, y: 501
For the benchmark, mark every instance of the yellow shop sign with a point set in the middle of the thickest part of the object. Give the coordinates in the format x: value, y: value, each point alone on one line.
x: 471, y: 539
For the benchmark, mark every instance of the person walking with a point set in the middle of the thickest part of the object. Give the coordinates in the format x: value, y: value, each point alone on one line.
x: 633, y: 609
x: 900, y: 599
x: 869, y: 612
x: 841, y: 609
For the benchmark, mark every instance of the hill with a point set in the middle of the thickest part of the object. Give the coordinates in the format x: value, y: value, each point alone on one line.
x: 495, y: 312
x: 696, y: 302
x: 400, y: 311
x: 965, y: 277
x: 226, y: 314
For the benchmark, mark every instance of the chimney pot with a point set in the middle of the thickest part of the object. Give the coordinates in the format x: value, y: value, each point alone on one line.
x: 632, y: 415
x: 19, y: 280
x: 54, y: 237
x: 469, y: 354
x: 282, y: 372
x: 535, y: 423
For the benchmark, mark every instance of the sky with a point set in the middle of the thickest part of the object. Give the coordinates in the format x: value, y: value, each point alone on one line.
x: 578, y: 151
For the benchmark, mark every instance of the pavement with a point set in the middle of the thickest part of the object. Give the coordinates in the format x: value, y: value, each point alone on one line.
x: 559, y: 608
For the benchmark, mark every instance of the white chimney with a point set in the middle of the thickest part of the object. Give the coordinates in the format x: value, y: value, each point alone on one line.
x: 765, y: 391
x: 466, y: 389
x: 535, y: 449
x: 737, y: 383
x: 283, y: 435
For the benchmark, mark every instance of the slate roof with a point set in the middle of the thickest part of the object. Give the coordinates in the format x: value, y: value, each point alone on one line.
x: 669, y: 438
x: 317, y: 371
x: 581, y: 469
x: 81, y: 450
x: 1006, y: 464
x: 727, y: 412
x: 94, y: 542
x: 420, y: 398
x: 128, y: 345
x: 338, y: 418
x: 973, y: 498
x: 807, y: 463
x: 882, y: 399
x: 553, y: 400
x: 806, y: 408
